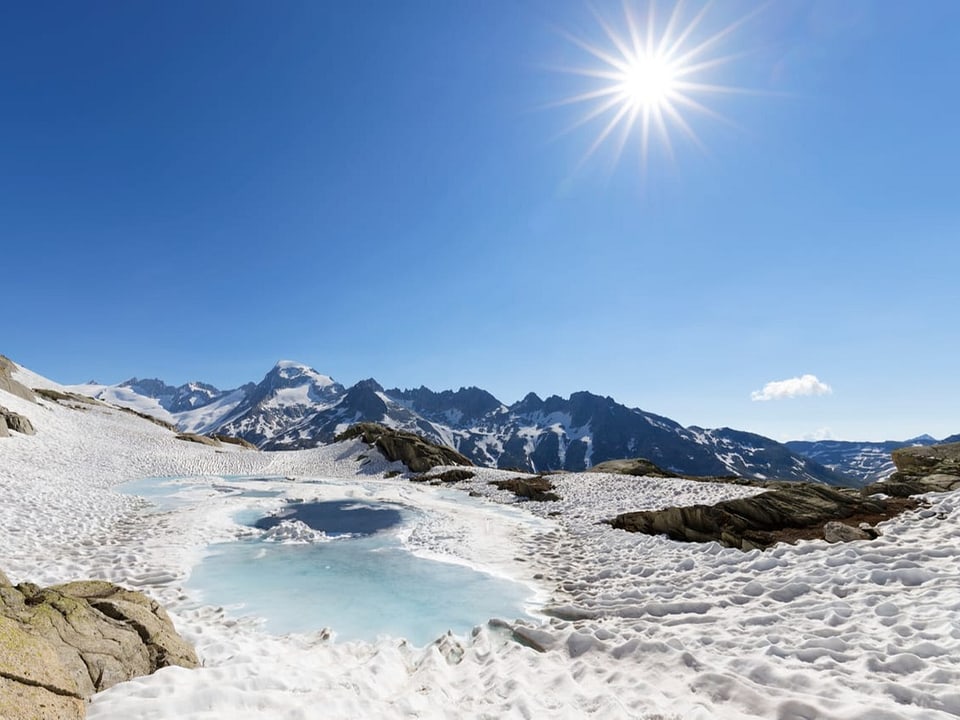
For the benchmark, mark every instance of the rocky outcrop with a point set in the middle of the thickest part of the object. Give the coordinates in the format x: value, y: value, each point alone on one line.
x: 538, y: 488
x: 14, y: 421
x: 68, y: 399
x: 230, y: 440
x: 10, y: 385
x: 62, y: 644
x: 447, y: 476
x: 631, y: 466
x: 200, y: 439
x: 935, y: 468
x: 417, y: 453
x: 797, y: 511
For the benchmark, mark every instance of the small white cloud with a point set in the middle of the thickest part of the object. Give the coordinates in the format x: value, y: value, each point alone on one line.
x: 802, y: 386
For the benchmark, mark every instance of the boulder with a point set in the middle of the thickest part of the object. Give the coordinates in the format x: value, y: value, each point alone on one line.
x: 60, y: 645
x: 835, y: 531
x: 3, y: 427
x: 920, y: 461
x: 10, y: 385
x: 16, y: 422
x: 417, y: 453
x: 536, y: 488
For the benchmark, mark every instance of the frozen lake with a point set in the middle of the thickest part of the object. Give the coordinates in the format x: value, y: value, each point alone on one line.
x: 302, y: 566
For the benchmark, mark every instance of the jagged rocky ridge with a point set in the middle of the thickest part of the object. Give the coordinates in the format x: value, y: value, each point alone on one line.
x: 296, y: 407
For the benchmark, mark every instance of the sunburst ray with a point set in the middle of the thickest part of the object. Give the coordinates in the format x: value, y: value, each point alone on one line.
x: 650, y: 77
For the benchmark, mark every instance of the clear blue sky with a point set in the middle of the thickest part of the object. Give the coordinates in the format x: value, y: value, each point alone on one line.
x: 193, y: 190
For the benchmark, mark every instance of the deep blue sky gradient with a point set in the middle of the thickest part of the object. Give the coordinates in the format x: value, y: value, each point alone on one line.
x: 193, y: 190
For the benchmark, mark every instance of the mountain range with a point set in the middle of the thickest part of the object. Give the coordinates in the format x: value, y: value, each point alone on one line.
x: 294, y: 407
x: 866, y: 462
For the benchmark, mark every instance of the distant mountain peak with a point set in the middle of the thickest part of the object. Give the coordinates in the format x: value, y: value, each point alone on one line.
x: 290, y: 370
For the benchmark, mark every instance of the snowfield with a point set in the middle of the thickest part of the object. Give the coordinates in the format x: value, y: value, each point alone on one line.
x: 634, y: 626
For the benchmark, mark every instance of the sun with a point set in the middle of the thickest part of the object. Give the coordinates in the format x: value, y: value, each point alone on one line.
x: 647, y: 83
x: 649, y: 77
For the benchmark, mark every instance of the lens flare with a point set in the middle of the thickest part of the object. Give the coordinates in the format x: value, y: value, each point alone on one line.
x: 650, y: 77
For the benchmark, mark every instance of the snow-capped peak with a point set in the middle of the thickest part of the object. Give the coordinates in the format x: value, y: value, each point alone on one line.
x: 289, y: 370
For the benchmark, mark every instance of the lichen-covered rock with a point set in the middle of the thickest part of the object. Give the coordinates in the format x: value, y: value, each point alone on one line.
x: 164, y: 646
x: 34, y: 684
x: 21, y: 701
x: 71, y: 641
x: 417, y: 453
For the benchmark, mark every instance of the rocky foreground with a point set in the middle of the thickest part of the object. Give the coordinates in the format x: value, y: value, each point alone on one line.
x: 60, y: 645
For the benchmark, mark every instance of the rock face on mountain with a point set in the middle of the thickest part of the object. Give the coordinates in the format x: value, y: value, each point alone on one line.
x: 8, y: 384
x: 296, y: 407
x: 800, y: 510
x: 865, y: 462
x: 921, y: 470
x: 60, y: 645
x: 14, y: 421
x: 415, y: 452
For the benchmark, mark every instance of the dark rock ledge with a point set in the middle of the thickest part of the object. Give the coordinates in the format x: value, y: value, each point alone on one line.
x: 799, y: 512
x: 60, y: 645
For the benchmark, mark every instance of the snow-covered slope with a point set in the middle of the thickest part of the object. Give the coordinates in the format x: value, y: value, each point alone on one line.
x: 296, y: 407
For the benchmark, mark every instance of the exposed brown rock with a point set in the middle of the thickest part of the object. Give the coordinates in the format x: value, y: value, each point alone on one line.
x: 10, y: 385
x: 836, y: 531
x: 59, y: 645
x: 453, y: 475
x: 201, y: 439
x: 536, y: 488
x: 417, y: 453
x: 16, y: 422
x: 64, y: 397
x: 797, y: 511
x: 935, y: 468
x: 231, y: 440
